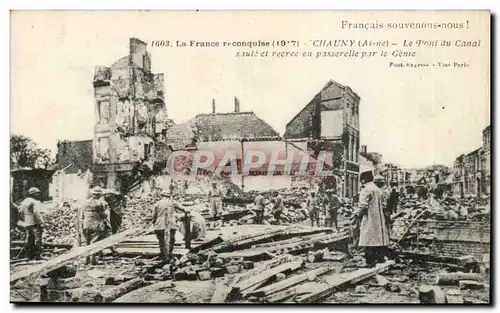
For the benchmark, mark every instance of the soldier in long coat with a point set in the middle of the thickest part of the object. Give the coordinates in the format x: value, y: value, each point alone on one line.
x: 374, y: 236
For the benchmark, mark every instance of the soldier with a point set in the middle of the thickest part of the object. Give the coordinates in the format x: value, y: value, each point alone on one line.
x: 215, y: 200
x: 33, y: 223
x: 260, y: 204
x: 278, y: 207
x: 332, y: 205
x: 95, y: 220
x: 374, y: 236
x: 165, y: 223
x: 313, y: 206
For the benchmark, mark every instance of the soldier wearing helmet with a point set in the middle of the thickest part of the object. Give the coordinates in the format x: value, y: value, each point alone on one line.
x: 33, y: 223
x: 95, y: 219
x: 165, y: 223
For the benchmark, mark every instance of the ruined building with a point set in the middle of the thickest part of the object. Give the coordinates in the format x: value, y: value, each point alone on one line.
x: 330, y: 122
x: 130, y: 115
x: 472, y: 171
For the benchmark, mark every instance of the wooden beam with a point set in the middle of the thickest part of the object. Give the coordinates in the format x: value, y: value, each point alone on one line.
x: 247, y: 255
x: 306, y: 288
x: 207, y: 245
x: 113, y: 293
x: 286, y: 267
x: 224, y: 288
x: 455, y: 278
x: 243, y: 240
x: 337, y: 281
x: 131, y: 297
x: 289, y: 282
x: 75, y: 253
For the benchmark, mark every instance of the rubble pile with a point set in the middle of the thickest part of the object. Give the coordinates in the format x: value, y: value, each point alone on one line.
x: 60, y: 225
x: 138, y: 213
x: 447, y: 209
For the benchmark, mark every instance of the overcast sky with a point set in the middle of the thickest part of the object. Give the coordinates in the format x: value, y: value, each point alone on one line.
x: 413, y: 117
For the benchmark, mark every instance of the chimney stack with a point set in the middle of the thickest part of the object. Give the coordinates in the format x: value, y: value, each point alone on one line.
x: 213, y: 106
x: 363, y: 149
x: 236, y: 105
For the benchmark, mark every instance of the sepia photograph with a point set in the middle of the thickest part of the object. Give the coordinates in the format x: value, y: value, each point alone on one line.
x: 250, y: 157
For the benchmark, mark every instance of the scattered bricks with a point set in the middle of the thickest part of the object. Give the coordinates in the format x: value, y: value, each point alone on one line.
x: 236, y: 261
x: 217, y: 272
x: 64, y: 283
x: 280, y: 277
x: 73, y: 295
x: 248, y: 265
x: 337, y: 257
x: 316, y: 256
x: 116, y: 280
x: 139, y: 263
x: 232, y: 269
x: 360, y: 290
x: 204, y: 275
x: 393, y: 287
x: 431, y: 295
x: 454, y: 278
x: 191, y: 274
x: 219, y: 262
x: 150, y: 277
x: 66, y: 271
x: 381, y: 281
x: 470, y: 284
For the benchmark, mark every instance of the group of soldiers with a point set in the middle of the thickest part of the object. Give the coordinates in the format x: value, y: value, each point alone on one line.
x: 100, y: 216
x: 328, y: 202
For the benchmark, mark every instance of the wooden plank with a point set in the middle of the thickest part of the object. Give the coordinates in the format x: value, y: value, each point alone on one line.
x: 243, y: 240
x: 337, y: 281
x: 454, y: 278
x: 207, y: 245
x: 247, y: 255
x: 268, y: 274
x: 131, y: 297
x: 289, y: 282
x: 75, y: 253
x: 114, y: 293
x: 291, y: 241
x: 259, y: 268
x: 294, y: 292
x: 224, y: 289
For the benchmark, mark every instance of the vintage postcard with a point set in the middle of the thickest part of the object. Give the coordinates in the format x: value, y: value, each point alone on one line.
x: 250, y: 157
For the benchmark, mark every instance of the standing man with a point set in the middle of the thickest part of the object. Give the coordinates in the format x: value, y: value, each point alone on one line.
x: 332, y: 205
x: 165, y: 223
x: 374, y: 236
x: 116, y: 203
x: 260, y: 204
x: 278, y: 207
x: 33, y: 222
x: 215, y: 200
x: 392, y: 204
x: 96, y: 223
x: 379, y: 181
x: 314, y: 207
